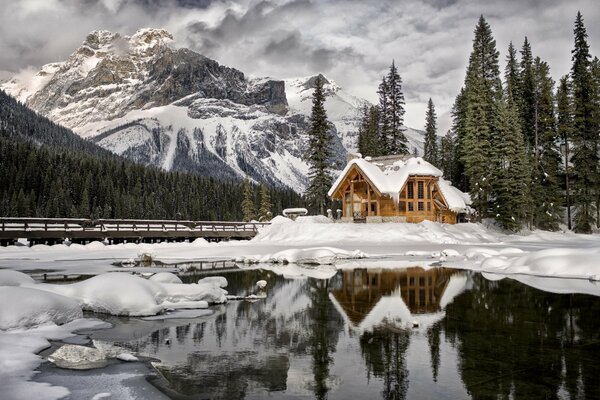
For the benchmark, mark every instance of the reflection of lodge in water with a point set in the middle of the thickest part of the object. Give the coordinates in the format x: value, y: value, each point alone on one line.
x: 421, y: 290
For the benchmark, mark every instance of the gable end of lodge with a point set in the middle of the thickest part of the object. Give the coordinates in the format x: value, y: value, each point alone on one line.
x: 397, y: 189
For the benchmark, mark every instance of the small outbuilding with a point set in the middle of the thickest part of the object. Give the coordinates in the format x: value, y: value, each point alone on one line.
x: 398, y: 189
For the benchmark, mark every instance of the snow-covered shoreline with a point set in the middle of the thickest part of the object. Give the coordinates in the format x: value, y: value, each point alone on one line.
x: 465, y: 246
x: 310, y: 247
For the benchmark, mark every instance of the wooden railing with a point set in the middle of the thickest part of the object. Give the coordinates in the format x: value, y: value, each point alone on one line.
x: 12, y: 228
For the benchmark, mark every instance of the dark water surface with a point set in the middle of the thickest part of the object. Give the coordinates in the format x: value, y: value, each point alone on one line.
x: 352, y: 337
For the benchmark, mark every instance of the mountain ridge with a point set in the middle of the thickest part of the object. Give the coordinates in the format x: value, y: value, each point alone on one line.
x: 141, y: 97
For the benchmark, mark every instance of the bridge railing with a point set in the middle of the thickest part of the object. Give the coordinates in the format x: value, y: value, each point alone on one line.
x: 8, y: 224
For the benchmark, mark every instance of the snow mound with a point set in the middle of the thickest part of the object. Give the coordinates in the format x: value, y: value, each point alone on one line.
x: 427, y: 231
x: 280, y: 220
x: 165, y: 277
x: 314, y: 256
x: 261, y: 284
x: 313, y: 219
x: 22, y: 307
x: 217, y: 281
x: 115, y: 293
x: 14, y: 278
x: 127, y: 357
x: 119, y: 293
x: 572, y: 263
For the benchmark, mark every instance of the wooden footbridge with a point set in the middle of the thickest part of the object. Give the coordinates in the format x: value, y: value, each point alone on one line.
x: 56, y: 230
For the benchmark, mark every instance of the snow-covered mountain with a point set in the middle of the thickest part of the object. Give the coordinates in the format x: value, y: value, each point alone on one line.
x: 143, y: 98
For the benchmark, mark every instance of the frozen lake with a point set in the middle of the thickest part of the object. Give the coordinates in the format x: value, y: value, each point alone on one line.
x: 360, y: 333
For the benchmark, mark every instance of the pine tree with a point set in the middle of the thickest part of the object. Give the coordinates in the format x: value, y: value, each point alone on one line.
x: 546, y: 186
x: 512, y: 75
x: 585, y: 157
x: 510, y: 172
x: 319, y: 152
x: 472, y: 122
x: 447, y: 159
x: 265, y: 213
x: 527, y: 99
x: 477, y: 147
x: 384, y: 123
x: 564, y: 116
x: 431, y: 146
x: 248, y: 208
x: 396, y: 140
x: 368, y: 144
x: 595, y: 69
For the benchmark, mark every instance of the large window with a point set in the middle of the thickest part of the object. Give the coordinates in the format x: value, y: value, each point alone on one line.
x: 420, y: 190
x: 411, y: 190
x: 411, y: 206
x: 420, y: 206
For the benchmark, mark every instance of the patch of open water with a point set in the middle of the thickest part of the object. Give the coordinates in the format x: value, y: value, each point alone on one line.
x: 368, y: 333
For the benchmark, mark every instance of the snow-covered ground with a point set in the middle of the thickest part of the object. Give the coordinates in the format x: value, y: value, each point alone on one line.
x: 32, y: 313
x: 465, y: 246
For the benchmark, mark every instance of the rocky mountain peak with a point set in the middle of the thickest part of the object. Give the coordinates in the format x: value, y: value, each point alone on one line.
x: 310, y: 82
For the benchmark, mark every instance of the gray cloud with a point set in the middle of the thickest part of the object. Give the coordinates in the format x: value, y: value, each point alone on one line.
x: 350, y: 41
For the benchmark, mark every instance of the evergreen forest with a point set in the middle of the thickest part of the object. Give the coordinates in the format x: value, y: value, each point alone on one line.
x: 525, y: 147
x: 48, y: 171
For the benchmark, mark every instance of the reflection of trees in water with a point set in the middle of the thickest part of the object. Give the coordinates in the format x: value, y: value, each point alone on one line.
x: 324, y: 327
x: 433, y: 339
x: 513, y: 341
x: 384, y: 352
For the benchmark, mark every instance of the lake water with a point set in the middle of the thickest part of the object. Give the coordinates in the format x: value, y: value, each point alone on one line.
x: 377, y: 333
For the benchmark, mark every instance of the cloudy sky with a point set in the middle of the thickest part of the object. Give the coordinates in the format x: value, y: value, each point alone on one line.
x: 350, y: 41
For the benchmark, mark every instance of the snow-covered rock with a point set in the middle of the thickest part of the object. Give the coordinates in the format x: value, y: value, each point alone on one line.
x: 261, y: 284
x: 165, y: 277
x: 14, y: 278
x: 314, y: 256
x: 22, y: 307
x: 216, y: 281
x: 124, y: 294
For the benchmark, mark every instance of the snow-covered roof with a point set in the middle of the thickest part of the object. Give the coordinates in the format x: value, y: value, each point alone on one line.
x: 457, y: 200
x: 389, y: 174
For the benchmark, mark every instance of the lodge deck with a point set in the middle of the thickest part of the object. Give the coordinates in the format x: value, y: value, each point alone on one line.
x: 56, y: 230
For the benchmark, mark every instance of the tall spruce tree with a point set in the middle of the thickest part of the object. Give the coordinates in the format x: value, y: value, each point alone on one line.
x: 546, y: 194
x: 473, y: 110
x: 595, y: 68
x: 527, y: 99
x: 473, y: 114
x: 447, y: 156
x: 512, y: 75
x: 585, y: 135
x: 564, y: 127
x: 248, y: 207
x: 510, y: 170
x: 368, y: 145
x: 397, y: 140
x: 476, y: 142
x: 384, y: 123
x: 265, y: 212
x: 459, y: 119
x: 431, y: 145
x: 320, y: 152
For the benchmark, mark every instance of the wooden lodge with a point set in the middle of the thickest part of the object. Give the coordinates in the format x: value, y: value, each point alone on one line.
x: 397, y: 189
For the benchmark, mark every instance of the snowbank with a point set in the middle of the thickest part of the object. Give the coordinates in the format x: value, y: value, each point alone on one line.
x: 19, y: 358
x: 113, y: 293
x: 22, y: 307
x: 427, y: 231
x: 14, y: 278
x: 572, y: 263
x: 165, y: 277
x: 312, y: 256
